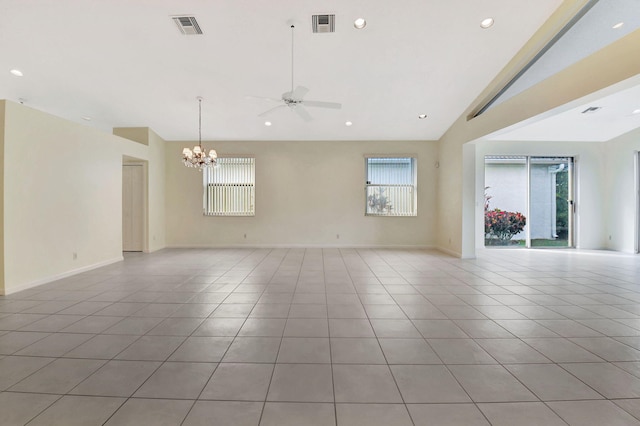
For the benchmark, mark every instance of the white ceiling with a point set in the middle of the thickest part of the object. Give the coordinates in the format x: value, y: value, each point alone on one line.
x: 614, y: 117
x: 124, y: 63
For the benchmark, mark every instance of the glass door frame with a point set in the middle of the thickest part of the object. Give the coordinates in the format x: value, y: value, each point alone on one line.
x: 571, y: 207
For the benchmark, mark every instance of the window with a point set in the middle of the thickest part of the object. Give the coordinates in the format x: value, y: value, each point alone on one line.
x: 229, y: 188
x: 391, y: 186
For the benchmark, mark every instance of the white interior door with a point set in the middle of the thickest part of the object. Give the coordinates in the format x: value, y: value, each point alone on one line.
x: 132, y: 207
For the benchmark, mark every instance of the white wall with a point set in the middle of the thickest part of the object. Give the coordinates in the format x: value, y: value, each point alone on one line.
x: 620, y: 199
x: 307, y: 193
x: 62, y: 195
x: 590, y: 183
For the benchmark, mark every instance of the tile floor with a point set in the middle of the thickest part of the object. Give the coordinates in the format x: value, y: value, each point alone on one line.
x: 328, y: 337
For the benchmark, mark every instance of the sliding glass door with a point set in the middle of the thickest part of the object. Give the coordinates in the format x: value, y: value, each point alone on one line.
x: 529, y: 201
x: 551, y: 202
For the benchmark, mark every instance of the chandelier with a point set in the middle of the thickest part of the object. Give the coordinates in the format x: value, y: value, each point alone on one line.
x: 198, y: 157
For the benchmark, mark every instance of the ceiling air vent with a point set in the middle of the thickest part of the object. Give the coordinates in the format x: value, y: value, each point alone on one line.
x: 187, y: 25
x: 323, y: 23
x: 591, y: 110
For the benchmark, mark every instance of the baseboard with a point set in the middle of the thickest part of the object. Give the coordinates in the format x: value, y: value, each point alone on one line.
x: 450, y: 252
x: 275, y: 246
x: 31, y: 284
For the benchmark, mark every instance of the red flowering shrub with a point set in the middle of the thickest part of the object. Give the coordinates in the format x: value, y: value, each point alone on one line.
x: 502, y: 226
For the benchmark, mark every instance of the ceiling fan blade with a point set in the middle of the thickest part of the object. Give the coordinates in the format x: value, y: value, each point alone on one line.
x: 321, y: 104
x: 269, y: 111
x: 263, y: 98
x: 302, y: 112
x: 297, y: 94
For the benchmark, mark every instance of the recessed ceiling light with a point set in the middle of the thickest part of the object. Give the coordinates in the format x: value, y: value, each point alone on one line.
x: 17, y: 73
x: 267, y: 123
x: 618, y: 25
x: 360, y: 23
x: 636, y: 111
x: 86, y: 118
x: 487, y: 23
x: 422, y: 116
x: 348, y: 123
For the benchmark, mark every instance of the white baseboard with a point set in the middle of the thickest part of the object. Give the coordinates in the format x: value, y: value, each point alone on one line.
x: 450, y: 252
x: 31, y: 284
x: 276, y: 246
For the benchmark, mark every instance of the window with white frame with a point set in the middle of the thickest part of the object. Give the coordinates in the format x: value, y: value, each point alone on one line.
x: 391, y: 186
x: 229, y: 187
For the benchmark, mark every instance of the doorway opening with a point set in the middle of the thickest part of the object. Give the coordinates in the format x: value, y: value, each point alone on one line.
x: 529, y: 201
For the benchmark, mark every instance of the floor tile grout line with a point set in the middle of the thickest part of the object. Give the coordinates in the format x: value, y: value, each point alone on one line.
x: 273, y: 371
x: 333, y: 381
x: 390, y: 370
x: 45, y: 409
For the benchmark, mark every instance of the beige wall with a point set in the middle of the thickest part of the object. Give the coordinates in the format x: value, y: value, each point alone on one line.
x: 2, y: 108
x: 620, y: 199
x: 307, y: 193
x: 153, y: 160
x: 156, y: 192
x: 56, y: 205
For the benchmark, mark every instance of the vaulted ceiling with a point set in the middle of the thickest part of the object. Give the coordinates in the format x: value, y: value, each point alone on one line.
x: 125, y: 63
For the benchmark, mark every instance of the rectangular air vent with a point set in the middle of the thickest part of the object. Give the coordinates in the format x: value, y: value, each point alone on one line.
x: 187, y: 25
x: 323, y: 23
x: 591, y: 110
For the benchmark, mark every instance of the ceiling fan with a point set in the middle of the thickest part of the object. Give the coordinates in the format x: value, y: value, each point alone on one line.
x: 294, y: 99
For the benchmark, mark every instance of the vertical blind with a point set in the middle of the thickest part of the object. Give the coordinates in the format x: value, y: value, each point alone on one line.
x: 229, y: 188
x: 391, y: 187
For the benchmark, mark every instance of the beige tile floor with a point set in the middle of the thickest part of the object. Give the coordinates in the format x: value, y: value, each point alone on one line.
x: 328, y: 337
